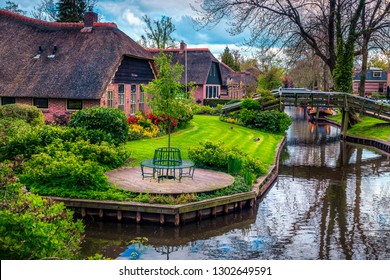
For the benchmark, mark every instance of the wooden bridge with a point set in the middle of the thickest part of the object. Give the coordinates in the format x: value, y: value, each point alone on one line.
x: 304, y: 97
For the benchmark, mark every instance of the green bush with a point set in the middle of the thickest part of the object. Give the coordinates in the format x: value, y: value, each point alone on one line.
x: 204, y: 110
x: 27, y: 142
x: 107, y: 155
x: 216, y: 156
x: 272, y: 121
x: 33, y: 227
x: 9, y: 129
x: 109, y: 120
x: 214, y: 102
x: 250, y: 104
x: 184, y: 115
x: 31, y: 114
x: 62, y: 170
x: 248, y: 117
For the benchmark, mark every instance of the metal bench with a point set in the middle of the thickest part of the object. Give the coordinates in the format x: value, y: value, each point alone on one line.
x: 167, y: 164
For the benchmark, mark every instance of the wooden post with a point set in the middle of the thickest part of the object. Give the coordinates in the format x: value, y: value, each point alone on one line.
x: 214, y: 211
x: 344, y: 122
x: 226, y: 209
x: 177, y: 219
x: 119, y: 215
x: 83, y: 213
x: 162, y: 219
x: 138, y: 217
x: 101, y: 213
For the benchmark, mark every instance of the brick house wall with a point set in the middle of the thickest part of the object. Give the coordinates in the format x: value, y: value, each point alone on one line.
x: 128, y: 109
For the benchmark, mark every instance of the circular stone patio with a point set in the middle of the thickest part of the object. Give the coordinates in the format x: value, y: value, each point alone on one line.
x: 130, y: 179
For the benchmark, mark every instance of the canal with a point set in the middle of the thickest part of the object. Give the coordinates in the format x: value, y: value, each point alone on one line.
x: 331, y: 201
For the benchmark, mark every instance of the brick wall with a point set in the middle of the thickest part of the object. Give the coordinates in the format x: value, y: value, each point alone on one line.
x: 127, y: 105
x: 57, y: 107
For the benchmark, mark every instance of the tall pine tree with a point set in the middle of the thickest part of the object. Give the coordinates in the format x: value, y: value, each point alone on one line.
x: 230, y: 59
x: 71, y: 10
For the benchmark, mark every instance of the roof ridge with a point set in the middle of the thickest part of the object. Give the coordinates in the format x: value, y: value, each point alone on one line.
x: 51, y: 23
x: 178, y: 49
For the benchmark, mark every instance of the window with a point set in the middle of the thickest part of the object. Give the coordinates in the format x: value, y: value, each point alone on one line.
x: 7, y: 100
x: 133, y: 99
x: 110, y: 99
x: 74, y: 104
x: 142, y: 100
x: 377, y: 74
x: 212, y: 92
x: 121, y: 97
x: 41, y: 103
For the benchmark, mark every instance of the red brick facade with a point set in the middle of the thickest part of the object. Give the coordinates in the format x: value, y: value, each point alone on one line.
x: 133, y: 102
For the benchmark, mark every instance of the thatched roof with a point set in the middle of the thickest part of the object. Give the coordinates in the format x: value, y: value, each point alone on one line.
x: 244, y: 78
x: 84, y: 63
x: 199, y: 62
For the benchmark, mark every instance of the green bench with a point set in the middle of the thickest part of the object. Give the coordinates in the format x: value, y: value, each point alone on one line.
x: 167, y: 164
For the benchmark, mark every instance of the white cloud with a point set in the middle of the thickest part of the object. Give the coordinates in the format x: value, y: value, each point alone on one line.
x: 130, y: 18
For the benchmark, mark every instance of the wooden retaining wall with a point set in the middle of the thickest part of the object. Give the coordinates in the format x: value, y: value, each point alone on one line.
x: 175, y: 214
x: 380, y: 145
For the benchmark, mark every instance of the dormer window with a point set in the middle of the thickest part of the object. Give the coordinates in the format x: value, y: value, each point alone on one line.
x: 377, y: 74
x: 53, y: 54
x: 39, y: 52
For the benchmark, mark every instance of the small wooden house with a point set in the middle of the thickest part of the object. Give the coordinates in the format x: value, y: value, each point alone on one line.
x: 63, y: 67
x: 376, y: 81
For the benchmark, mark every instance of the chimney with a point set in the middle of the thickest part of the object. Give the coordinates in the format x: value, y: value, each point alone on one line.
x: 183, y: 46
x: 90, y: 18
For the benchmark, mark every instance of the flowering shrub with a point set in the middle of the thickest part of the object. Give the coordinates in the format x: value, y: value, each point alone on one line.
x: 133, y: 119
x: 154, y: 119
x: 136, y: 132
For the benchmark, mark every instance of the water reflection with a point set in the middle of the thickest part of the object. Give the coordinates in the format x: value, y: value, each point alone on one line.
x: 331, y: 201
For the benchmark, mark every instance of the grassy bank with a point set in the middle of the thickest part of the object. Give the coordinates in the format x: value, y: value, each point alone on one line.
x: 210, y: 128
x: 368, y: 127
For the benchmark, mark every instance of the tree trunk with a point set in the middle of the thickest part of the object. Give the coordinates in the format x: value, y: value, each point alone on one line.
x: 362, y: 82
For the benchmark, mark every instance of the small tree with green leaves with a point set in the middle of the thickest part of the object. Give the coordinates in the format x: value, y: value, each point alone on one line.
x: 167, y: 96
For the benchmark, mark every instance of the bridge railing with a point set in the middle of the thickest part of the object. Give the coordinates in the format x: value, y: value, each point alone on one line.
x: 303, y: 97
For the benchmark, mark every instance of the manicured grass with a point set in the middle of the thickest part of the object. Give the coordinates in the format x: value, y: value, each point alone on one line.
x: 210, y: 128
x: 368, y: 127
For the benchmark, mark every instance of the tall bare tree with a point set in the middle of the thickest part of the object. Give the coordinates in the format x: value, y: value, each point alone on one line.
x: 375, y: 19
x: 158, y: 33
x: 330, y: 28
x: 46, y: 10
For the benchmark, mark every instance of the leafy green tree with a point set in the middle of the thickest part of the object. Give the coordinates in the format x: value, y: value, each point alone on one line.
x: 271, y: 79
x: 158, y: 33
x: 168, y: 96
x: 13, y: 7
x: 33, y: 227
x: 231, y: 58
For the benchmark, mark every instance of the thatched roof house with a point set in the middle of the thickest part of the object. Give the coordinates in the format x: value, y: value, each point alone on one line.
x: 211, y: 76
x: 60, y: 67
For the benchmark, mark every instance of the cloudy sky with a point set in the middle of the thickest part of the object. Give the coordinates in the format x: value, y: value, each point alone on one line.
x: 127, y: 14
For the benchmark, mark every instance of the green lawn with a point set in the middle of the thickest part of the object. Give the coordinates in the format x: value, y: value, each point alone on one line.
x: 210, y: 128
x: 368, y: 127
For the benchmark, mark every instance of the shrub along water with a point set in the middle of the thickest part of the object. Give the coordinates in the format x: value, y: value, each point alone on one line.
x: 215, y: 155
x: 33, y: 227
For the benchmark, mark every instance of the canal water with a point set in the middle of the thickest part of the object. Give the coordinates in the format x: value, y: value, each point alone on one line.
x: 331, y: 201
